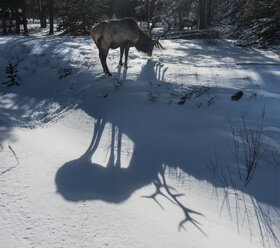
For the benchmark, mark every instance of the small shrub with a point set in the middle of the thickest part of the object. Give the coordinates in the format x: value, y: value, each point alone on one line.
x: 250, y: 145
x: 248, y: 150
x: 11, y: 71
x: 64, y: 72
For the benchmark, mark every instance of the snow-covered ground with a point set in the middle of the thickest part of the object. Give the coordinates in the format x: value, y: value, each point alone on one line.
x: 144, y: 158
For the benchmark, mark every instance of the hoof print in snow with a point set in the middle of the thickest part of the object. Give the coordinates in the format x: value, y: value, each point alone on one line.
x: 117, y: 83
x: 183, y: 100
x: 100, y: 77
x: 254, y: 95
x: 211, y: 101
x: 152, y: 96
x: 72, y: 85
x: 199, y: 105
x: 189, y: 94
x: 203, y: 89
x: 64, y: 72
x: 237, y: 96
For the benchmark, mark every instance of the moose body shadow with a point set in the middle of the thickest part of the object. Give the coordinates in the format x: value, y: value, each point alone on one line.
x: 80, y: 179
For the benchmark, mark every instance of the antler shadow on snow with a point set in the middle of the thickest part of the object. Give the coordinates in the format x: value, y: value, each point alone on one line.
x: 160, y: 183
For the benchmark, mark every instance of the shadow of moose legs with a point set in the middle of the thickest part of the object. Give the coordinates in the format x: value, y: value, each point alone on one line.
x: 119, y: 140
x: 98, y: 130
x: 115, y: 143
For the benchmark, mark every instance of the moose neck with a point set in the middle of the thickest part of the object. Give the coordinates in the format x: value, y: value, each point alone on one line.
x: 144, y: 43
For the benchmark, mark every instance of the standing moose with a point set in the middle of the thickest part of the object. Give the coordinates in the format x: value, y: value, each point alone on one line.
x: 124, y: 33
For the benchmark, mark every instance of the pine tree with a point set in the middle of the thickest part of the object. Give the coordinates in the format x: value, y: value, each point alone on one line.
x: 79, y: 16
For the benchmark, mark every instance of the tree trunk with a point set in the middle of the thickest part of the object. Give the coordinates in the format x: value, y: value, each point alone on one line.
x: 11, y: 21
x: 209, y: 11
x: 4, y: 21
x: 24, y: 20
x: 17, y: 21
x: 51, y: 4
x: 148, y: 14
x: 181, y: 22
x: 42, y: 14
x: 202, y: 7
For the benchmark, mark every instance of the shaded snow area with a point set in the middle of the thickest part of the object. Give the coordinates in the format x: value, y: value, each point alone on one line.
x: 153, y: 156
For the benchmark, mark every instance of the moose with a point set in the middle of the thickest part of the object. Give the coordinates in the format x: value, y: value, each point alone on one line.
x: 189, y: 23
x: 124, y: 33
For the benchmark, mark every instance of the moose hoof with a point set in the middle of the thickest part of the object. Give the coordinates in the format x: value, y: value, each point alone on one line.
x: 108, y: 73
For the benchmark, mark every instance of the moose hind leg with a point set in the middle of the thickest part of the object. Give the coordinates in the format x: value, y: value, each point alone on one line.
x: 121, y: 56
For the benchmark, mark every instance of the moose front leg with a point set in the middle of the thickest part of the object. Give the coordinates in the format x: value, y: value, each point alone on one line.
x: 121, y: 56
x: 126, y: 56
x: 103, y: 55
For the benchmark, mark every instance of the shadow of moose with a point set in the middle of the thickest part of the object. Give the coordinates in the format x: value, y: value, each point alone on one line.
x: 157, y: 146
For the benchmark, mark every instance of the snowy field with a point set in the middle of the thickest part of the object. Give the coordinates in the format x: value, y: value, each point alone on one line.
x: 145, y: 158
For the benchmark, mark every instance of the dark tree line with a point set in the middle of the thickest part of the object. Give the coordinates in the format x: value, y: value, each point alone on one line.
x: 76, y: 17
x: 12, y: 15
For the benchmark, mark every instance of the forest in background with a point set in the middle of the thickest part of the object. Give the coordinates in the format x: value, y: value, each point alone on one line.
x: 250, y: 21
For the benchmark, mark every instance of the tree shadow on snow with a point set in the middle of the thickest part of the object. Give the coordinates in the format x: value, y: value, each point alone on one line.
x: 39, y: 98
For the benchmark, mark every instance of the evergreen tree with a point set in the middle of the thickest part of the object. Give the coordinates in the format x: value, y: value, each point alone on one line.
x: 77, y: 17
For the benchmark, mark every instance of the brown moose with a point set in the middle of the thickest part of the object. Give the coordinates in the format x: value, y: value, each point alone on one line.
x: 124, y: 33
